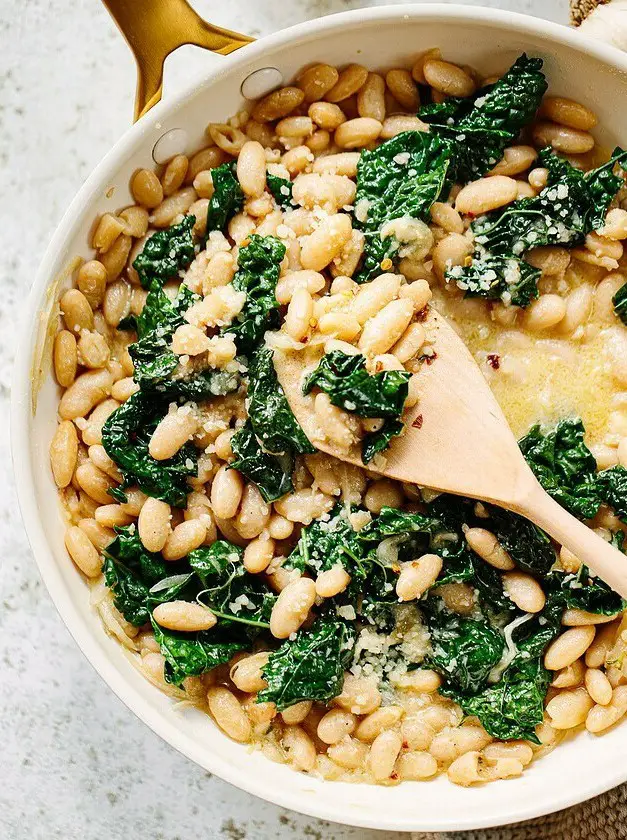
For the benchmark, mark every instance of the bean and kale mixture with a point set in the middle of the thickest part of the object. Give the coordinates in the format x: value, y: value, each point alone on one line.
x: 352, y: 626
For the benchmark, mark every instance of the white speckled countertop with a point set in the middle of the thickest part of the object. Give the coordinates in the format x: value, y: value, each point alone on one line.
x: 74, y: 762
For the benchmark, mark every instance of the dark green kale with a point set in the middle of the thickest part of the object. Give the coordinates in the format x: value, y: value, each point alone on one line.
x: 166, y: 253
x: 191, y: 654
x: 269, y: 411
x: 155, y: 362
x: 281, y: 190
x: 572, y: 204
x: 227, y: 198
x: 392, y: 522
x: 464, y: 650
x: 328, y: 543
x: 257, y: 274
x: 400, y: 178
x: 375, y: 442
x: 505, y: 278
x: 125, y: 437
x: 349, y: 385
x: 130, y: 571
x: 232, y: 593
x: 566, y: 469
x: 528, y: 546
x: 265, y: 446
x: 482, y: 126
x: 513, y: 706
x: 311, y: 666
x: 620, y: 303
x: 271, y: 473
x: 582, y: 591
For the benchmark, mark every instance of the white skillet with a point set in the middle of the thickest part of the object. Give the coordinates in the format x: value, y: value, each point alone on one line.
x: 576, y: 66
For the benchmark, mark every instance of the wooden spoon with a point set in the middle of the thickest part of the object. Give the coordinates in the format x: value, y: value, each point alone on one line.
x: 457, y: 440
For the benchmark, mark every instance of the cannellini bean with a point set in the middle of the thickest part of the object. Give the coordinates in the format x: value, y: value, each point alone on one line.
x: 569, y: 676
x: 350, y: 80
x: 82, y: 552
x: 246, y: 674
x: 571, y: 141
x: 317, y: 81
x: 601, y: 718
x: 64, y: 453
x: 357, y: 133
x: 300, y: 749
x: 417, y: 576
x: 386, y: 717
x: 332, y: 581
x: 568, y: 112
x: 348, y: 753
x: 84, y: 393
x: 228, y: 714
x: 485, y: 544
x: 227, y: 488
x: 185, y: 616
x: 447, y: 78
x: 299, y: 314
x: 186, y: 537
x: 326, y: 242
x: 382, y: 331
x: 253, y: 515
x: 251, y: 168
x: 296, y: 713
x: 360, y: 695
x: 568, y: 647
x: 373, y: 296
x: 450, y: 251
x: 172, y: 432
x: 383, y: 754
x: 416, y: 765
x: 516, y: 159
x: 486, y: 194
x: 598, y: 686
x: 258, y: 554
x: 335, y: 725
x: 569, y: 708
x: 292, y: 607
x: 524, y: 591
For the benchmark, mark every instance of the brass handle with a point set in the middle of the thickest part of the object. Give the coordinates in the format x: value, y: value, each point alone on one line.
x: 155, y: 28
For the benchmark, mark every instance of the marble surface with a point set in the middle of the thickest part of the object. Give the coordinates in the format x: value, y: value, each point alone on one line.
x: 74, y: 762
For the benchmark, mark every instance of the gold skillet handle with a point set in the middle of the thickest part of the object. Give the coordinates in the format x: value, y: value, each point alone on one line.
x: 155, y: 28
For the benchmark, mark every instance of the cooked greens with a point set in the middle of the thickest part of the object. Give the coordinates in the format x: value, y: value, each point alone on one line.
x: 481, y: 126
x: 572, y: 204
x: 227, y: 198
x: 125, y: 437
x: 401, y: 178
x: 257, y: 274
x: 349, y: 385
x: 281, y: 190
x: 309, y: 667
x: 620, y: 303
x: 266, y: 444
x: 166, y: 253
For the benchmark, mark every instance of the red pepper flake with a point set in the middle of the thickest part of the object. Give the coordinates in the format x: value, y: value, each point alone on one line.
x: 430, y: 359
x: 394, y: 776
x: 494, y: 360
x: 417, y: 424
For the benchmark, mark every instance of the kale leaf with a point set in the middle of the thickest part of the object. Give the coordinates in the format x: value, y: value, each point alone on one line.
x: 325, y: 544
x: 258, y: 271
x: 582, y: 591
x: 125, y: 437
x: 309, y: 667
x: 392, y: 522
x: 482, y: 126
x: 528, y: 546
x: 166, y: 253
x: 232, y: 593
x: 281, y: 190
x: 465, y: 650
x: 400, y: 178
x: 500, y: 277
x: 566, y: 468
x: 375, y: 442
x: 349, y: 385
x: 269, y: 411
x: 265, y: 446
x: 572, y: 204
x: 271, y: 473
x: 130, y: 570
x: 191, y: 654
x: 227, y: 198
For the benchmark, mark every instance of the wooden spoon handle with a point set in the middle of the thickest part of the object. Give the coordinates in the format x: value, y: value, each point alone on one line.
x: 602, y: 558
